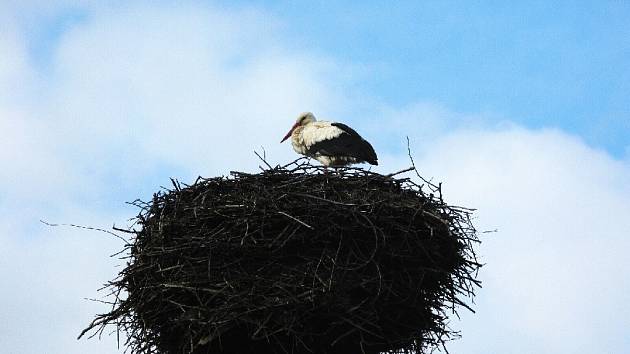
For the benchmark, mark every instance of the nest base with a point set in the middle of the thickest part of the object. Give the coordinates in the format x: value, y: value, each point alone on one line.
x: 294, y: 260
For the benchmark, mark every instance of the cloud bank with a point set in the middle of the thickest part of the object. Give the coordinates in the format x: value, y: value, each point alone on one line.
x: 136, y: 94
x: 557, y: 273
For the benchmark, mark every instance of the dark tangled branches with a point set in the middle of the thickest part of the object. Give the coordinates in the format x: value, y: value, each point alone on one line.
x: 294, y: 260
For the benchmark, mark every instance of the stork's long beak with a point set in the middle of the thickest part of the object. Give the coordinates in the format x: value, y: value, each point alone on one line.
x: 289, y: 133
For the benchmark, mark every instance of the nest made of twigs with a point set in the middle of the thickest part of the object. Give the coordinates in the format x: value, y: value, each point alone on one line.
x: 294, y: 260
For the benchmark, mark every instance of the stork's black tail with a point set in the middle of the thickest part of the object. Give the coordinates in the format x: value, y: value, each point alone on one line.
x: 370, y: 155
x: 362, y: 149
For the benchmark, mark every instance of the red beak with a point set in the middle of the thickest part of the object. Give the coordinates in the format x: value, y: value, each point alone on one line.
x: 289, y: 133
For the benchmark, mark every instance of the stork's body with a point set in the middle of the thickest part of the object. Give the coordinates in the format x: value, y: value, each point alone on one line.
x: 332, y: 144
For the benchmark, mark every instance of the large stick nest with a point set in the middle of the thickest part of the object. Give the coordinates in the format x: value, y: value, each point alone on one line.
x: 294, y: 260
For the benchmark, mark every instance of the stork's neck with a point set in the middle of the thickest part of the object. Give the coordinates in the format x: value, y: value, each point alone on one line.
x: 297, y: 140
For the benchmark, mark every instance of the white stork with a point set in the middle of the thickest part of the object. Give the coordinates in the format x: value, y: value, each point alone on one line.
x: 332, y: 144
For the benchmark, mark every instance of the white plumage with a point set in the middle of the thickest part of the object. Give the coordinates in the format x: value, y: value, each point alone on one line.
x: 331, y: 143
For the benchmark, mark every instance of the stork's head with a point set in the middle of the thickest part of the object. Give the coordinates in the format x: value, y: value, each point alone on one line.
x: 303, y: 119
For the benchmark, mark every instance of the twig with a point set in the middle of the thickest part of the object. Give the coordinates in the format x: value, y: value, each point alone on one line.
x: 416, y: 169
x: 84, y: 227
x: 262, y: 158
x: 401, y: 172
x: 296, y: 219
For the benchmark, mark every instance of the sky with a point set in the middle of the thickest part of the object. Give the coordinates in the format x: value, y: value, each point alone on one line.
x: 519, y: 109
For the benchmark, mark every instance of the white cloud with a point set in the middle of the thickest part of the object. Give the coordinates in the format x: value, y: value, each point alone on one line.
x: 178, y: 85
x: 139, y: 93
x: 46, y: 275
x: 557, y: 270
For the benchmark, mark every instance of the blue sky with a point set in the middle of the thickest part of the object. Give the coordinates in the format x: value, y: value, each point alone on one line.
x: 521, y: 110
x: 539, y: 63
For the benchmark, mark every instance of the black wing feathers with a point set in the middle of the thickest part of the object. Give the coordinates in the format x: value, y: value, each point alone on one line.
x: 350, y: 143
